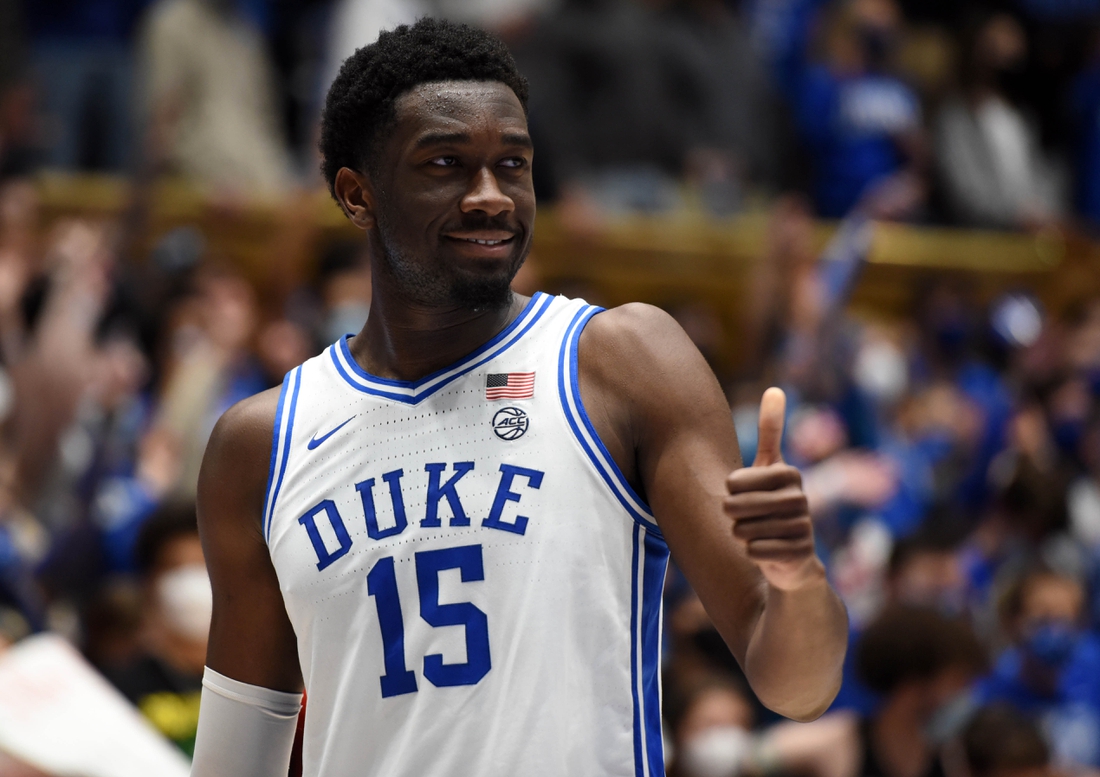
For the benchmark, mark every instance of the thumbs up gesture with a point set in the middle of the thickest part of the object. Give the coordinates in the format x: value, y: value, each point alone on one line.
x: 770, y: 514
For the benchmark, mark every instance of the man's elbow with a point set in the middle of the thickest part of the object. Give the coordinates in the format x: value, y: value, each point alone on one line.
x: 806, y: 707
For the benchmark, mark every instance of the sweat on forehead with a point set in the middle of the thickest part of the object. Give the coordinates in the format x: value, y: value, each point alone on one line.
x: 456, y: 97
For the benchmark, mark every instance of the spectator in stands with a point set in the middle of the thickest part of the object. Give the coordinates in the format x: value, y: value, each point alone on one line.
x: 1083, y: 494
x: 344, y: 290
x: 1052, y: 669
x: 209, y: 98
x: 741, y: 142
x: 628, y: 99
x: 1000, y: 741
x: 23, y: 543
x: 83, y: 66
x: 356, y: 23
x: 165, y: 679
x: 922, y: 664
x: 860, y: 123
x: 1085, y: 111
x: 602, y: 112
x: 993, y: 170
x: 924, y: 570
x: 19, y: 144
x: 711, y: 729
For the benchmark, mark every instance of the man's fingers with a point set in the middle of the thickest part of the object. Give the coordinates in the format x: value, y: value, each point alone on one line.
x: 759, y: 478
x: 773, y: 528
x: 773, y: 405
x: 755, y: 504
x: 780, y: 550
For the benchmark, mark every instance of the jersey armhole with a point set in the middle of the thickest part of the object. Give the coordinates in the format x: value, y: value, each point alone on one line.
x: 280, y: 445
x: 585, y: 433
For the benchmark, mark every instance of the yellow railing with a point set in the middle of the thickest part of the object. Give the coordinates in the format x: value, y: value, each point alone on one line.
x: 660, y: 259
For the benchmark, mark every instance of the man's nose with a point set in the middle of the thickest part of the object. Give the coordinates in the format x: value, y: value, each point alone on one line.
x: 485, y: 195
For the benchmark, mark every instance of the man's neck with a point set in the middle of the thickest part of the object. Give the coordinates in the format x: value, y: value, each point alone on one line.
x: 404, y: 341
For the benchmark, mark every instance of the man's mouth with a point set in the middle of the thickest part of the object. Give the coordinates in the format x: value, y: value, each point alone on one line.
x: 486, y: 237
x: 483, y: 242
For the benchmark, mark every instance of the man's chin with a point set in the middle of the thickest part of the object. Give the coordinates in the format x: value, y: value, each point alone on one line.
x: 484, y: 293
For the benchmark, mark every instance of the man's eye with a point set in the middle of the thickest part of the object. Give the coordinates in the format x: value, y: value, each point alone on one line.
x: 514, y: 161
x: 445, y: 161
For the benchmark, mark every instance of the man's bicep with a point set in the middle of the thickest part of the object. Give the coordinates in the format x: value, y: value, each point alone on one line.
x: 251, y: 639
x: 686, y: 447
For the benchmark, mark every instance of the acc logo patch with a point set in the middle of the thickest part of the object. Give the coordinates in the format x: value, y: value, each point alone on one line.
x: 510, y: 423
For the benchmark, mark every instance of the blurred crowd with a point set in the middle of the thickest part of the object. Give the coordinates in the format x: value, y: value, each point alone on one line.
x: 951, y: 458
x: 981, y: 113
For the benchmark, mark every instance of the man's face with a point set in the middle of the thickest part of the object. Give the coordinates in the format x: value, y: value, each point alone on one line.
x: 454, y: 200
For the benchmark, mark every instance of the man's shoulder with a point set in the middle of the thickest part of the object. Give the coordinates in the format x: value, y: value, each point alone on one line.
x: 245, y: 430
x: 252, y: 414
x: 631, y: 333
x: 639, y: 355
x: 632, y: 321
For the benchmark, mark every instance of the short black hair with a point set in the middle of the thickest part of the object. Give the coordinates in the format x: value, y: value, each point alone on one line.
x: 360, y: 102
x: 907, y: 642
x: 938, y: 535
x: 170, y: 521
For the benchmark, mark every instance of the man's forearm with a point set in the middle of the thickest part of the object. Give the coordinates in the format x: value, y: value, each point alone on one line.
x: 244, y: 730
x: 796, y: 653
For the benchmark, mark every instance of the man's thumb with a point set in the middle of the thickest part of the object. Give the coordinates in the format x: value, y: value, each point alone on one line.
x: 773, y: 406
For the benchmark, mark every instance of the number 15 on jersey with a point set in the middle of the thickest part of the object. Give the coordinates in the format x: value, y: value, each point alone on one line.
x: 382, y: 585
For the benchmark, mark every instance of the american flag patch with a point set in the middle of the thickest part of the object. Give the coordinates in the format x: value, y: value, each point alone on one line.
x: 510, y: 385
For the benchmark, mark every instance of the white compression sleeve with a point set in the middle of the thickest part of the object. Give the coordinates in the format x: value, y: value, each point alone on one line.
x: 244, y: 730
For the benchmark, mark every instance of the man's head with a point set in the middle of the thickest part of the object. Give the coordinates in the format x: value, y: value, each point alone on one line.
x: 1042, y: 610
x: 919, y: 660
x: 425, y: 146
x: 925, y: 570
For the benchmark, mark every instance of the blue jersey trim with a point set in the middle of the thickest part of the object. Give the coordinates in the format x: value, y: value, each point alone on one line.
x: 655, y: 564
x: 639, y: 765
x: 649, y: 561
x: 413, y: 392
x: 577, y: 417
x: 275, y: 437
x: 286, y: 447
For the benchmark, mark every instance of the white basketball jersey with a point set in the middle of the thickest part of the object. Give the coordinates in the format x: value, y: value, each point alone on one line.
x: 475, y: 588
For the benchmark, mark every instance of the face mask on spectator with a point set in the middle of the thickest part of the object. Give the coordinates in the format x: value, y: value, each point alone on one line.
x: 717, y: 752
x: 1052, y: 643
x: 345, y: 318
x: 951, y: 716
x: 186, y: 600
x: 881, y: 370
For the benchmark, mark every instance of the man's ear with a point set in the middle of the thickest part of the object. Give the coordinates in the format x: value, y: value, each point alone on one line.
x: 356, y: 196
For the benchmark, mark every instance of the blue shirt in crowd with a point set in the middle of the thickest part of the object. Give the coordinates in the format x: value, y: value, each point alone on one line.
x: 1086, y: 115
x: 83, y: 20
x: 850, y: 124
x: 1071, y: 714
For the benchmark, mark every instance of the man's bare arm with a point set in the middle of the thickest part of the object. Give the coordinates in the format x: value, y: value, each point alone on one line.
x: 662, y: 414
x: 251, y: 639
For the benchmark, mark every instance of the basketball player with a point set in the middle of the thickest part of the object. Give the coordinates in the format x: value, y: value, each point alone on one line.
x: 453, y: 526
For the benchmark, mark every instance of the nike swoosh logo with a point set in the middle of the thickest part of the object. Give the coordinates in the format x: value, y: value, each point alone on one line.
x: 318, y: 440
